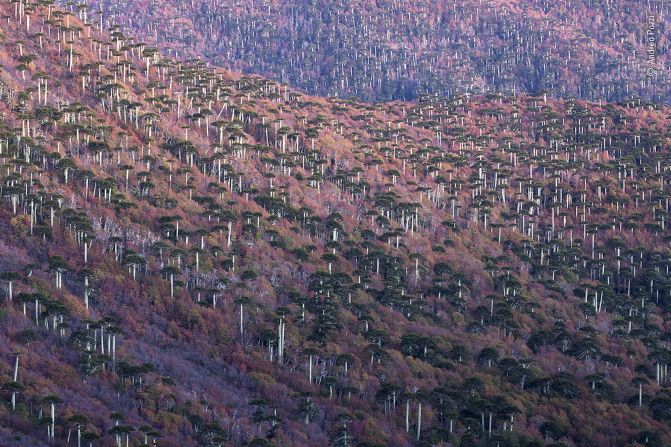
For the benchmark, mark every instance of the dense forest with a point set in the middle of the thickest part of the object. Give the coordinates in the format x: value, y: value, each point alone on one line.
x: 401, y: 49
x: 194, y: 257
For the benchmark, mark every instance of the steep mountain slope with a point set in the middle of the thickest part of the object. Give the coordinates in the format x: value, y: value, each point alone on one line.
x: 400, y: 49
x: 194, y: 257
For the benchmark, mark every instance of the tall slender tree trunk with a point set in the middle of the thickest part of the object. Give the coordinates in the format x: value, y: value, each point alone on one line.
x: 419, y: 421
x: 407, y: 416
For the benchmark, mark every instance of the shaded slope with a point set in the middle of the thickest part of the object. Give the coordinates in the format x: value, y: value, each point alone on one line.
x: 401, y: 49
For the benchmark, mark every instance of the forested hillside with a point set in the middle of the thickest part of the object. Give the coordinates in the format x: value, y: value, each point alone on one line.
x: 193, y: 257
x: 401, y: 49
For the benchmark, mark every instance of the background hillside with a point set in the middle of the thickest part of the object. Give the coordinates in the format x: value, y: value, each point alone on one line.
x: 193, y: 257
x: 400, y: 49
